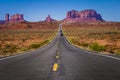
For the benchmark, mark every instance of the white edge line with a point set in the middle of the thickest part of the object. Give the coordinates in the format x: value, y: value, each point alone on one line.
x: 8, y: 57
x: 93, y: 53
x: 105, y: 56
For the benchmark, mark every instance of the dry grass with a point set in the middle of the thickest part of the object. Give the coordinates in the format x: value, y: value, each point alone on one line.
x: 103, y: 37
x: 15, y: 41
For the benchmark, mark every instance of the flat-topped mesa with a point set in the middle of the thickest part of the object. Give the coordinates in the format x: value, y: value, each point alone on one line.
x: 49, y: 19
x: 83, y: 16
x: 17, y: 18
x: 14, y: 18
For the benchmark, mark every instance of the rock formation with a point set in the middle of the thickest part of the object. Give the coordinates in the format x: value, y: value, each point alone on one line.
x: 7, y: 18
x: 17, y: 18
x: 83, y: 16
x: 49, y: 19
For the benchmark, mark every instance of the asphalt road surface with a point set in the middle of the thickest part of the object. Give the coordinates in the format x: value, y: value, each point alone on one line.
x: 60, y: 61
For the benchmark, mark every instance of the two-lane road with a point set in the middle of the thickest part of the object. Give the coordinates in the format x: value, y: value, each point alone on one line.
x: 59, y: 61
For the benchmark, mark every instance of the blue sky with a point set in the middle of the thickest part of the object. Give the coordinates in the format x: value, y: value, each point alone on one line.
x: 37, y: 10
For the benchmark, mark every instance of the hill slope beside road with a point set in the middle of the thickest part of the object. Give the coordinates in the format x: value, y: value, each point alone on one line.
x: 59, y: 61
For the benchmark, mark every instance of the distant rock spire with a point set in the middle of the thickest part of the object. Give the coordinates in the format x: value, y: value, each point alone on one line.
x: 7, y: 18
x: 49, y: 19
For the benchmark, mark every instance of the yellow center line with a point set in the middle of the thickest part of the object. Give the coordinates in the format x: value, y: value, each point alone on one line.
x: 55, y: 67
x: 57, y: 57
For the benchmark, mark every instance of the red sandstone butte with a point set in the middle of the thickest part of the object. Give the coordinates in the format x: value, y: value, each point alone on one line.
x: 88, y: 15
x: 17, y: 18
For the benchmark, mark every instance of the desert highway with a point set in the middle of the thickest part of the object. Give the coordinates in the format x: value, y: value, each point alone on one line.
x: 59, y: 60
